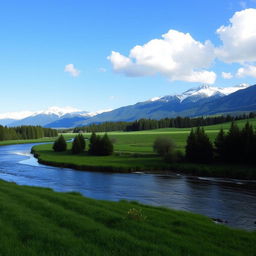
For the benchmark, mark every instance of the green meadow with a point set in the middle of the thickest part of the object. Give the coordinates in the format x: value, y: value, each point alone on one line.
x: 134, y: 152
x: 37, y: 221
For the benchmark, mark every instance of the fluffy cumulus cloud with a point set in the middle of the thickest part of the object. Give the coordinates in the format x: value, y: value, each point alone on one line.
x: 70, y: 68
x: 238, y: 38
x: 176, y: 55
x: 226, y: 75
x: 246, y: 71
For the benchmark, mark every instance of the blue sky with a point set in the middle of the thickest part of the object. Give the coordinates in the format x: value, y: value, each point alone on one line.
x: 40, y: 38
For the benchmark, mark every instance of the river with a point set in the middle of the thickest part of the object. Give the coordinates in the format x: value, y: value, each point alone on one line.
x: 231, y: 200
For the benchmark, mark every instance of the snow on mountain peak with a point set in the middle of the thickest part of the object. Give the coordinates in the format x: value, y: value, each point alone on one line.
x: 91, y: 114
x: 58, y: 111
x: 205, y: 91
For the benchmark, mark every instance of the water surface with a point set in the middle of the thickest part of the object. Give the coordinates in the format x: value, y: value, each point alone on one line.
x: 226, y: 199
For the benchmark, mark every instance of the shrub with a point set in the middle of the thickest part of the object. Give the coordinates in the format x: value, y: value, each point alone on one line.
x: 60, y: 144
x: 163, y: 146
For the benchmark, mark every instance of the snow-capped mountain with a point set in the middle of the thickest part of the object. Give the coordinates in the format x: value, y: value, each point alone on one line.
x: 55, y: 117
x: 189, y: 103
x: 203, y: 100
x: 203, y: 91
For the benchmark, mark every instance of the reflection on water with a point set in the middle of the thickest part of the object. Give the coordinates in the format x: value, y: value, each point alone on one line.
x: 226, y: 199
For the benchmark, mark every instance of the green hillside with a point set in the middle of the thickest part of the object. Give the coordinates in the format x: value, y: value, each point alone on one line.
x: 38, y: 221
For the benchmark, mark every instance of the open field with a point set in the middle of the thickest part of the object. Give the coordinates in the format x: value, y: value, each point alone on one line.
x: 38, y: 221
x: 133, y: 152
x: 142, y: 141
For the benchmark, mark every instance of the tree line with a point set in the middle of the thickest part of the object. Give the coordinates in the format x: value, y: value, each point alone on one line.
x: 98, y: 145
x: 237, y: 145
x: 25, y: 132
x: 148, y: 124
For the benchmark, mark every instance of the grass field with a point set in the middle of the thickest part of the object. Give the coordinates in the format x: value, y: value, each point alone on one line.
x: 46, y: 139
x: 133, y: 152
x: 142, y: 141
x: 37, y: 221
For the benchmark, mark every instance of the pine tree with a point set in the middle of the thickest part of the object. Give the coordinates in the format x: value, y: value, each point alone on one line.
x: 60, y: 144
x: 82, y: 141
x: 199, y: 147
x: 220, y: 145
x: 76, y: 146
x: 92, y: 144
x: 106, y: 146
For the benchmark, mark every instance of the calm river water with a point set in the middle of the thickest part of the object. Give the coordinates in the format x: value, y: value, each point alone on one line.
x: 226, y: 199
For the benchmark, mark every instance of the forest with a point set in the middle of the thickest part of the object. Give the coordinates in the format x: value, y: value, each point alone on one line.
x: 26, y: 132
x: 148, y: 124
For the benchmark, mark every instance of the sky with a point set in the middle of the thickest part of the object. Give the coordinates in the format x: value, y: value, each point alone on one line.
x: 95, y: 55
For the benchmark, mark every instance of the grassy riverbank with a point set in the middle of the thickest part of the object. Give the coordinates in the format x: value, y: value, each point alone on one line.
x: 38, y: 221
x: 133, y: 152
x: 41, y: 140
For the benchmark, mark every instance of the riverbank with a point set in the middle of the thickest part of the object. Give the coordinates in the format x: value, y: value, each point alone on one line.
x: 13, y: 142
x: 38, y: 221
x: 134, y: 162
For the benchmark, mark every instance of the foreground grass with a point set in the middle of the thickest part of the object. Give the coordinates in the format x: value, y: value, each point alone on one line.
x: 38, y: 221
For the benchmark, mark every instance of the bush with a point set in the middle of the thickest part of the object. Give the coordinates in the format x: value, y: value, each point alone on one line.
x: 163, y: 146
x: 174, y: 157
x: 60, y: 144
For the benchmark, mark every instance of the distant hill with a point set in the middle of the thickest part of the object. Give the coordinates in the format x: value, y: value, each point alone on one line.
x: 204, y: 100
x: 201, y: 101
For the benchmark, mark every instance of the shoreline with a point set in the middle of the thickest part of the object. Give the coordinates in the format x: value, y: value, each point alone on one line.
x: 199, y: 170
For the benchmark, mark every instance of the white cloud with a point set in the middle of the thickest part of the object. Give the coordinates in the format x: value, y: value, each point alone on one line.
x: 177, y: 56
x: 226, y: 75
x: 246, y: 71
x: 238, y: 38
x: 70, y: 68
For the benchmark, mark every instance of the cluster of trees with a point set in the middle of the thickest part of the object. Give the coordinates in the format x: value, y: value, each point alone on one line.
x: 26, y: 132
x: 99, y: 145
x: 148, y: 124
x: 237, y: 145
x: 78, y: 144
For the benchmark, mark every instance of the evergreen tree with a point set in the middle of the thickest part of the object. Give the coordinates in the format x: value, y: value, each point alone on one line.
x: 82, y: 141
x: 76, y: 146
x: 190, y: 146
x: 92, y: 144
x: 233, y: 144
x: 248, y: 143
x: 105, y: 146
x: 220, y: 145
x: 60, y: 144
x: 199, y: 147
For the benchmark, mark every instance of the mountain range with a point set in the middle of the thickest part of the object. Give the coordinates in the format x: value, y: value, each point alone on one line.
x: 201, y: 101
